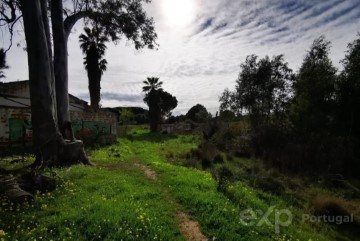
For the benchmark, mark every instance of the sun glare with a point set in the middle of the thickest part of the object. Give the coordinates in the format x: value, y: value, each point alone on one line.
x: 178, y: 13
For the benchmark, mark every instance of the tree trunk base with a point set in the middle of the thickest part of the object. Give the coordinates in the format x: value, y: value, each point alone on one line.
x: 72, y: 152
x: 67, y: 153
x: 10, y: 189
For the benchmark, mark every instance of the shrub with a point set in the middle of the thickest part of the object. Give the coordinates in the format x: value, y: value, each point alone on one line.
x: 229, y: 157
x: 269, y: 184
x: 332, y: 207
x: 205, y: 163
x: 218, y: 159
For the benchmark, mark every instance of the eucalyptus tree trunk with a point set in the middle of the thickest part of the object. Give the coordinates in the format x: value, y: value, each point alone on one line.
x: 61, y: 69
x: 51, y: 147
x: 42, y: 93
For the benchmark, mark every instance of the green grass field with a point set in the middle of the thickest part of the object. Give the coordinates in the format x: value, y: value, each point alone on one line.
x: 117, y: 200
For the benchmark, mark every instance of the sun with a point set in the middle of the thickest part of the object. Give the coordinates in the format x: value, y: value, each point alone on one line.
x: 178, y: 13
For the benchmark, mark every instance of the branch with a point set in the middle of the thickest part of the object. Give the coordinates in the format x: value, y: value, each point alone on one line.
x: 11, y: 30
x: 12, y: 7
x: 72, y: 19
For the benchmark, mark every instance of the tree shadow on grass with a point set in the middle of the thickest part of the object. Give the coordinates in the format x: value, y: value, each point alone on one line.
x: 151, y: 137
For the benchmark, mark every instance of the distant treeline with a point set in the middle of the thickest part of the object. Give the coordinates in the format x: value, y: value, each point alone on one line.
x: 138, y: 115
x: 303, y: 121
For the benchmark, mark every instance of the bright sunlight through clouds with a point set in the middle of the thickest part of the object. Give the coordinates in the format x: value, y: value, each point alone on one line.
x: 178, y: 13
x: 202, y: 44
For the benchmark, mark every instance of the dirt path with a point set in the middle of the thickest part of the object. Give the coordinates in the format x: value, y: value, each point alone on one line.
x: 188, y: 226
x: 147, y: 171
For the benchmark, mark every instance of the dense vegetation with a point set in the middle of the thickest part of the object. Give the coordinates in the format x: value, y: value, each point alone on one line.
x: 2, y: 63
x: 117, y: 200
x: 308, y: 121
x: 160, y: 102
x: 93, y: 47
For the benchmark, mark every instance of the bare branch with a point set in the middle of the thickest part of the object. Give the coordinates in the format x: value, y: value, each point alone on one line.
x: 11, y: 4
x: 11, y: 31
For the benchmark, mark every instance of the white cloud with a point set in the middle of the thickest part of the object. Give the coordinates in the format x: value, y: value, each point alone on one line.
x: 197, y: 61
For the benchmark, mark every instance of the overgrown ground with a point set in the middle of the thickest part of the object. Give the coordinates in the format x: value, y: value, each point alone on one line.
x: 139, y: 191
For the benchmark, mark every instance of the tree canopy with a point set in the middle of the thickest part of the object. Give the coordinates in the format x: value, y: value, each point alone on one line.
x: 348, y: 87
x: 160, y: 102
x: 48, y: 58
x: 92, y: 44
x: 2, y: 63
x: 263, y: 85
x: 314, y: 89
x: 198, y: 113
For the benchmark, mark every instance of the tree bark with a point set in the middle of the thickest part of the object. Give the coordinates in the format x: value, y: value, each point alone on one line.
x: 42, y: 95
x: 51, y: 147
x: 61, y: 69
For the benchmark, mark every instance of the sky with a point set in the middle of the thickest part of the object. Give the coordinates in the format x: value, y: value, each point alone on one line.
x: 202, y: 44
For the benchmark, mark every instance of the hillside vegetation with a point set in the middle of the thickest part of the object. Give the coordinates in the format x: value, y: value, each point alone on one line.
x: 139, y: 190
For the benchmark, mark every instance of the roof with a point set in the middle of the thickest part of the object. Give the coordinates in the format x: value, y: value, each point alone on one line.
x: 11, y: 89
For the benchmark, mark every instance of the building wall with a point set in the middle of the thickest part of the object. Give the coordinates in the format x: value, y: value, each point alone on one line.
x: 15, y: 123
x: 100, y: 116
x: 15, y: 115
x: 8, y: 116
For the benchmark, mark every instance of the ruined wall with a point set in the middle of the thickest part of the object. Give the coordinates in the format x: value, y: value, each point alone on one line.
x: 15, y: 124
x: 99, y: 117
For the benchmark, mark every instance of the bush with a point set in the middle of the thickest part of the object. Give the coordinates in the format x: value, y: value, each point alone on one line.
x: 229, y: 157
x: 218, y: 159
x: 332, y: 207
x: 271, y: 185
x: 205, y: 163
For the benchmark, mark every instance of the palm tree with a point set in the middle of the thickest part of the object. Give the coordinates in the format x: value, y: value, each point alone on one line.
x: 93, y: 47
x: 152, y: 84
x: 2, y: 63
x: 152, y: 88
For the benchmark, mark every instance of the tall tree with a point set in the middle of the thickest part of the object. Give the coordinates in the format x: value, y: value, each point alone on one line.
x: 229, y: 102
x: 151, y: 88
x: 198, y: 113
x: 46, y: 137
x: 2, y: 63
x: 348, y: 92
x: 93, y: 46
x: 167, y: 103
x: 118, y: 18
x: 313, y: 107
x: 263, y: 88
x: 49, y: 80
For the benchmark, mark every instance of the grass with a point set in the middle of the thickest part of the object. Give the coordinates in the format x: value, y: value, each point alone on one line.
x: 94, y: 204
x: 115, y: 201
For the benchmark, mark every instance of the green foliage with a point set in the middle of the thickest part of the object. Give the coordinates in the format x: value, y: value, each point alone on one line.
x: 160, y: 102
x: 349, y: 92
x: 2, y: 63
x: 167, y: 103
x: 121, y: 18
x: 227, y: 115
x: 263, y: 87
x: 313, y: 106
x: 94, y: 204
x: 228, y: 101
x: 93, y: 47
x: 198, y: 113
x: 152, y: 86
x: 304, y: 122
x: 126, y: 115
x: 115, y: 201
